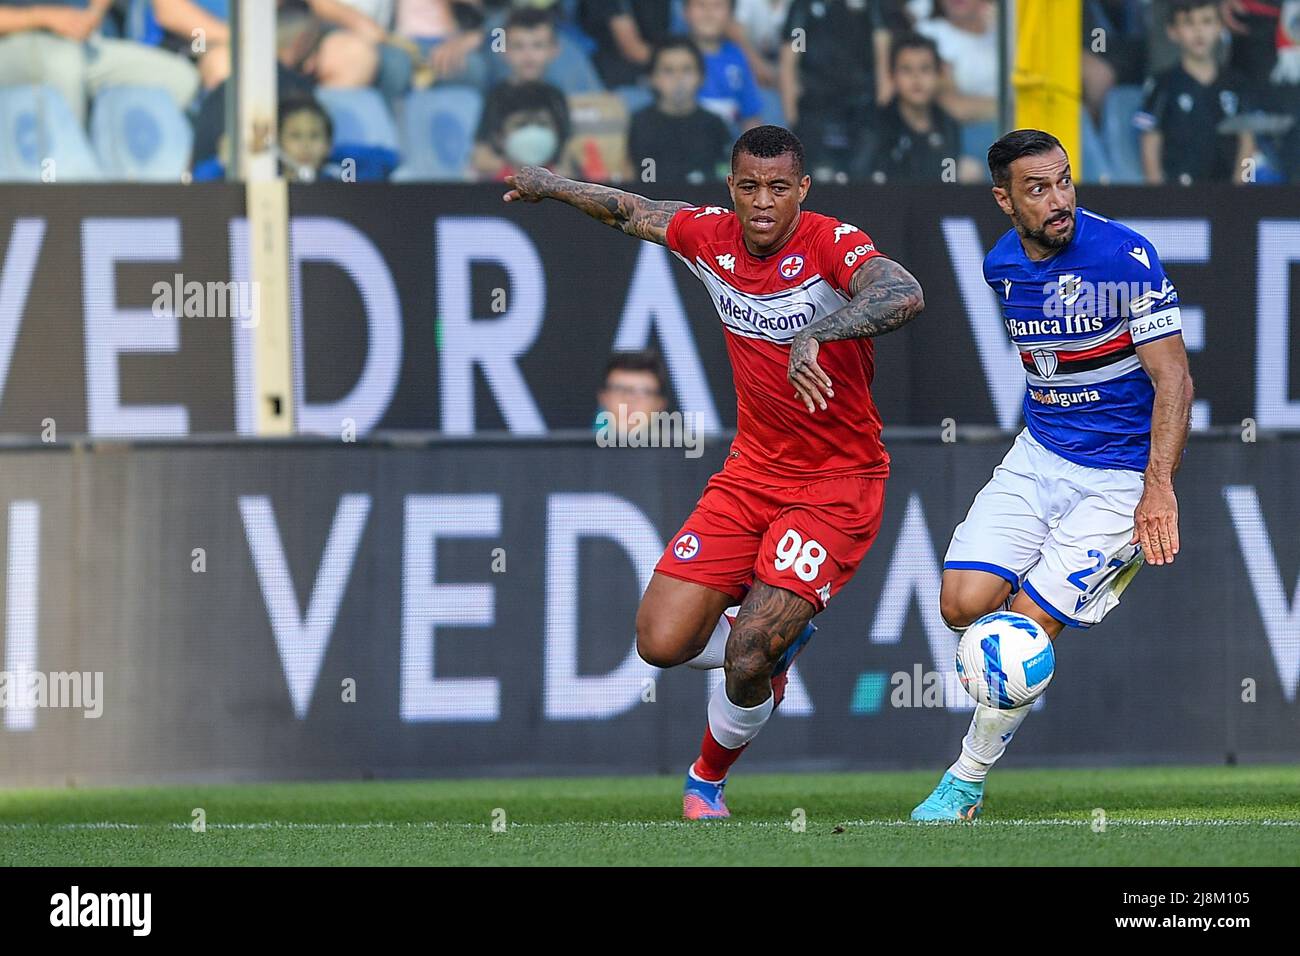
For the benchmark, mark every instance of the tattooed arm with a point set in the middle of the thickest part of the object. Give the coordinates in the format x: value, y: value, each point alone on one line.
x: 885, y: 297
x: 635, y: 215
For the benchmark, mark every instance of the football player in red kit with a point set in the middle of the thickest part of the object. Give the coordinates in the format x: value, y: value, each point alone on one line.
x: 782, y: 527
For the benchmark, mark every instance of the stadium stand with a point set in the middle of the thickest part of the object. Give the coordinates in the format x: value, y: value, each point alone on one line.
x: 139, y: 135
x: 438, y: 133
x: 41, y: 140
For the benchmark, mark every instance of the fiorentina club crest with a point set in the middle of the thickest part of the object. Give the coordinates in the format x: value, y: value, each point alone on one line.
x: 1045, y: 362
x: 686, y: 547
x: 790, y: 267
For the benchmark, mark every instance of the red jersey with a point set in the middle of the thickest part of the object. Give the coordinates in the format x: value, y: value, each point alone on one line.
x: 763, y: 302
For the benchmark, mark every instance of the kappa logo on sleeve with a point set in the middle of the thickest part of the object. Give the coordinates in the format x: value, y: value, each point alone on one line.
x: 843, y: 229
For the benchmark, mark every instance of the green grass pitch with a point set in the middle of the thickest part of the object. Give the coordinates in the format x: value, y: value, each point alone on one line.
x: 1167, y: 816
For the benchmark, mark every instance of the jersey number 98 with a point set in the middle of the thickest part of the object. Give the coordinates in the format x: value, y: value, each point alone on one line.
x: 805, y: 557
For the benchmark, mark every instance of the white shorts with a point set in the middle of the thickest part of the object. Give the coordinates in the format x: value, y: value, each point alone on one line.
x: 1059, y: 530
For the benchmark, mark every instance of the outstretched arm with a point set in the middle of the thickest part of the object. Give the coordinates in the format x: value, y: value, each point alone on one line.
x: 635, y: 215
x: 885, y: 297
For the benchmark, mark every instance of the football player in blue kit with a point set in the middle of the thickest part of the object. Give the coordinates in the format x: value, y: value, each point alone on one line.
x: 1086, y: 492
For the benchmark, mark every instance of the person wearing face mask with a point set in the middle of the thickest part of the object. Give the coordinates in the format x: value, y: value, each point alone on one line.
x: 686, y: 142
x: 523, y: 124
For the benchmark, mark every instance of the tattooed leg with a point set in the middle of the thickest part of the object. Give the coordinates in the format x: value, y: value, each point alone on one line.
x: 769, y: 620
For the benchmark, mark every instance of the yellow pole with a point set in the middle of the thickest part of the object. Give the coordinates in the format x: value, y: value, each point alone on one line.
x: 1048, y: 71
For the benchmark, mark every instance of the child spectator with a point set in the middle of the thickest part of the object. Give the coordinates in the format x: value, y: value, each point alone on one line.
x: 530, y: 48
x: 729, y: 88
x: 829, y: 75
x: 686, y: 142
x: 534, y: 50
x: 912, y: 139
x: 306, y: 139
x: 1185, y: 105
x: 523, y: 124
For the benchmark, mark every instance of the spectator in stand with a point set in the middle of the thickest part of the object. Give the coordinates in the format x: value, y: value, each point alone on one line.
x: 635, y: 383
x: 625, y: 33
x: 529, y: 48
x: 1286, y: 77
x: 911, y: 138
x: 686, y: 142
x: 532, y: 36
x: 59, y: 45
x: 198, y: 29
x: 1122, y: 58
x: 831, y: 74
x: 337, y: 42
x: 306, y: 139
x: 966, y: 33
x: 1185, y: 105
x: 729, y: 88
x: 450, y: 35
x: 758, y: 26
x: 356, y: 50
x: 523, y: 124
x: 1254, y: 25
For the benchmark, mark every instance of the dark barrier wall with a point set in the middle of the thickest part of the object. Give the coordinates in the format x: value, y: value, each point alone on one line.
x: 477, y: 603
x: 440, y: 308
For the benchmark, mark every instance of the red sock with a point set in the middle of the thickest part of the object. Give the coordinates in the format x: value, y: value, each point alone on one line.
x: 714, y: 760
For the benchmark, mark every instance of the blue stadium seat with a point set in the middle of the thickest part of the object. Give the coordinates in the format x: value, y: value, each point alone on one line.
x: 140, y: 134
x: 1096, y: 161
x: 37, y: 125
x: 1120, y: 135
x: 438, y: 126
x: 773, y: 112
x: 361, y: 117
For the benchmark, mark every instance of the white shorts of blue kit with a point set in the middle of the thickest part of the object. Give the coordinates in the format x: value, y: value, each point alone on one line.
x: 1057, y: 529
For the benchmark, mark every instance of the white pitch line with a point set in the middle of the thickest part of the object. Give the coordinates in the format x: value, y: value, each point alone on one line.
x: 643, y: 825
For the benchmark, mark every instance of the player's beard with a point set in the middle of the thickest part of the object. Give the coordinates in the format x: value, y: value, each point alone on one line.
x: 1040, y: 235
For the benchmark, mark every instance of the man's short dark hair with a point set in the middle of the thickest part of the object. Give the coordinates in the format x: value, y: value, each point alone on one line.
x: 530, y: 18
x: 677, y: 43
x: 1186, y: 6
x: 768, y: 142
x: 641, y: 360
x: 305, y: 103
x: 1017, y: 143
x: 911, y: 41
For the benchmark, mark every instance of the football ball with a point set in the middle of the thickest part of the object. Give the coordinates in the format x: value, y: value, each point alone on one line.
x: 1005, y: 660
